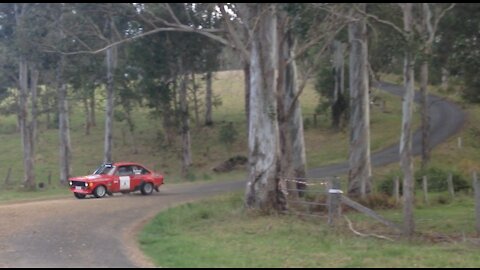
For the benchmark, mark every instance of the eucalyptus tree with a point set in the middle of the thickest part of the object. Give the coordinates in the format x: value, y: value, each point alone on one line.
x: 360, y: 171
x: 431, y: 14
x: 28, y: 32
x: 410, y: 50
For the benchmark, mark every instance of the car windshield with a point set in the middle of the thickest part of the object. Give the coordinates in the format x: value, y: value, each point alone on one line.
x: 103, y: 169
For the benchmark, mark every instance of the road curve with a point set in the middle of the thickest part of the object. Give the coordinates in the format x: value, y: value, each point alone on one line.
x: 99, y: 232
x: 446, y: 119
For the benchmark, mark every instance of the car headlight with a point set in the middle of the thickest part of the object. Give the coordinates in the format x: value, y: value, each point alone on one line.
x: 86, y: 184
x: 70, y: 183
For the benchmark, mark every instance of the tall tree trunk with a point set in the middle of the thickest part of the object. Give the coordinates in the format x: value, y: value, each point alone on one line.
x: 25, y: 127
x: 185, y: 126
x: 110, y: 59
x: 63, y: 129
x: 263, y: 189
x: 167, y: 122
x: 360, y: 170
x: 246, y: 81
x: 406, y: 161
x: 444, y: 79
x: 208, y: 99
x: 338, y: 104
x: 195, y: 100
x: 424, y: 114
x: 285, y: 169
x: 93, y: 120
x: 87, y: 115
x: 292, y: 143
x: 34, y: 73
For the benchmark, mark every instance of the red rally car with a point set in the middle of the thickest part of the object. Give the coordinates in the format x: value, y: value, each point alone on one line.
x: 115, y: 177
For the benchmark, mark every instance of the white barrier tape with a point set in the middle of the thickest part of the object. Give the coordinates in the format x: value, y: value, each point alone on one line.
x: 333, y: 191
x: 305, y: 183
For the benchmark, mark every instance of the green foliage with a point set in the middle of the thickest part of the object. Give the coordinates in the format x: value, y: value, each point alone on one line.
x: 228, y: 134
x: 437, y: 179
x: 386, y: 185
x: 457, y: 47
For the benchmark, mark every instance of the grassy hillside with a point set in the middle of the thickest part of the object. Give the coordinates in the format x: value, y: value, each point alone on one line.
x: 323, y: 144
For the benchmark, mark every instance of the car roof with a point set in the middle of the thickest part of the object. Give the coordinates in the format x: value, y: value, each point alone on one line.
x: 123, y: 163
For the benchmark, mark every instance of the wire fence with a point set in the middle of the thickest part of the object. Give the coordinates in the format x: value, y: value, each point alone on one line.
x: 312, y: 196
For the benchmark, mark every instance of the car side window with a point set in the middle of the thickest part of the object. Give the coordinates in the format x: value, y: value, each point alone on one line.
x: 139, y: 170
x: 145, y: 171
x: 124, y: 170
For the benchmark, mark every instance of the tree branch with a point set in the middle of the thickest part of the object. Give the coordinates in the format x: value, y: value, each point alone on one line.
x: 236, y: 39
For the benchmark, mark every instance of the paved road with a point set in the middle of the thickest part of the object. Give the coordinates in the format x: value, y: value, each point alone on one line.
x: 98, y: 232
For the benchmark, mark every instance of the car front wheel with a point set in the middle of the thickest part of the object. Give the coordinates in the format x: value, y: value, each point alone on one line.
x: 99, y: 191
x: 147, y: 188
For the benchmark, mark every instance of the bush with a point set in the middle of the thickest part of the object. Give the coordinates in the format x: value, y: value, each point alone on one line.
x: 386, y: 186
x: 228, y: 135
x: 437, y: 180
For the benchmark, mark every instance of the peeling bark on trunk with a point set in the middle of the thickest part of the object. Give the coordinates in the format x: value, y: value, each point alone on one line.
x: 360, y: 171
x: 406, y: 161
x: 263, y: 187
x: 208, y: 99
x: 292, y: 144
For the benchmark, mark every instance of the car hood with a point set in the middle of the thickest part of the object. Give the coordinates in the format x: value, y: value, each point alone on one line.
x: 88, y: 178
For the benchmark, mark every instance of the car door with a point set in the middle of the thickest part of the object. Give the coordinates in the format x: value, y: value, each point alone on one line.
x: 136, y: 177
x: 122, y: 179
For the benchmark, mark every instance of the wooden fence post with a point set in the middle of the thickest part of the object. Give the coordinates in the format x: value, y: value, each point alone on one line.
x: 476, y: 189
x: 450, y: 185
x: 334, y: 200
x: 425, y: 189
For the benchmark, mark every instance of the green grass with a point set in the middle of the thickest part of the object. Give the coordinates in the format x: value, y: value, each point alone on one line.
x: 217, y: 233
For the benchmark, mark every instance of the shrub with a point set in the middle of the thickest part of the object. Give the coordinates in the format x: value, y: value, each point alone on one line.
x: 437, y: 180
x: 386, y: 185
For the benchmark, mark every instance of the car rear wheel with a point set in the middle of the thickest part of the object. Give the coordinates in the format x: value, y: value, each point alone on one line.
x: 99, y: 191
x: 79, y: 195
x: 147, y: 188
